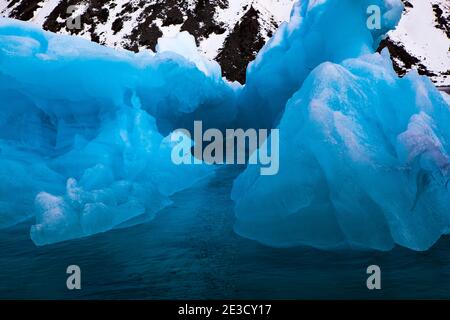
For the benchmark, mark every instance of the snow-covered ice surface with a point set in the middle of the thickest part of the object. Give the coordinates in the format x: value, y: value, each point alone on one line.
x: 364, y: 154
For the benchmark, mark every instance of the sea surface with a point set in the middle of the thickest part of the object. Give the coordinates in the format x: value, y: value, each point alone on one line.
x: 190, y: 251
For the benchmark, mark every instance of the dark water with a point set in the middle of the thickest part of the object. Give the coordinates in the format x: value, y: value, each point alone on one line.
x: 190, y: 251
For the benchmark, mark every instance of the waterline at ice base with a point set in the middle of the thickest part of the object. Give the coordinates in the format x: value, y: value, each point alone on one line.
x: 85, y: 133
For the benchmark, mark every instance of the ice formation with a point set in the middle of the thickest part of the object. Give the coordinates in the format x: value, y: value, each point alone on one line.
x: 77, y: 147
x: 364, y: 155
x: 318, y: 31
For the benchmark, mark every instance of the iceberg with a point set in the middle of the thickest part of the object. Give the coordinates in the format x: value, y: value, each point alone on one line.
x: 364, y: 162
x: 85, y: 142
x: 318, y: 31
x: 364, y: 154
x: 78, y: 148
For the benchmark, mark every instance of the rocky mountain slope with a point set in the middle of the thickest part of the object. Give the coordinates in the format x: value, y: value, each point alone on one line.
x: 231, y: 31
x: 421, y: 40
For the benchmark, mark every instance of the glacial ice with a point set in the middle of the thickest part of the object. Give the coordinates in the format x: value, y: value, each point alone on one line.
x: 364, y: 154
x: 364, y: 162
x: 77, y: 147
x: 319, y: 31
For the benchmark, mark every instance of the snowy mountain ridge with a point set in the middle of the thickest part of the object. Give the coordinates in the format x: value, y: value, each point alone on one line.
x: 231, y: 31
x: 421, y: 40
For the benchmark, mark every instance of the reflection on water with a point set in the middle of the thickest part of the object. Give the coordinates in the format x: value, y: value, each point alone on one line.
x: 190, y: 251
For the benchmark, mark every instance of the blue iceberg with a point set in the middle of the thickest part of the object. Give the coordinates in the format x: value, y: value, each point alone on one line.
x: 318, y: 31
x: 364, y: 162
x: 77, y: 148
x: 364, y: 154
